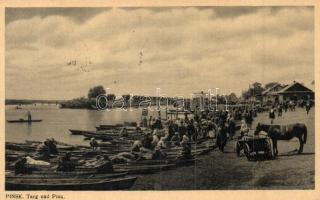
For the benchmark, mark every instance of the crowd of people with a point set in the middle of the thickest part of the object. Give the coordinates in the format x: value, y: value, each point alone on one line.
x: 168, y: 133
x: 201, y: 126
x: 288, y: 106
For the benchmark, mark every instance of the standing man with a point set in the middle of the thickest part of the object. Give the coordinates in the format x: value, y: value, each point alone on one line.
x: 248, y: 118
x: 191, y: 130
x: 280, y: 110
x: 29, y: 116
x: 231, y: 127
x: 182, y: 129
x: 150, y: 122
x: 272, y: 115
x: 308, y: 106
x: 221, y: 136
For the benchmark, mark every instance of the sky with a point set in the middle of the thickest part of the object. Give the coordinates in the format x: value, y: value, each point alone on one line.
x: 60, y: 53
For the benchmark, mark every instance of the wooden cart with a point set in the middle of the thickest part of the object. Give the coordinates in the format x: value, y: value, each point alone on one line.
x: 253, y: 146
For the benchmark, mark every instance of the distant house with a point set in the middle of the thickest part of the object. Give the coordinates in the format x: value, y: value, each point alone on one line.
x: 280, y: 93
x: 254, y: 98
x: 270, y: 94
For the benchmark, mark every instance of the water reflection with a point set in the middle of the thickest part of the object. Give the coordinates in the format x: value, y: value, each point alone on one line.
x: 57, y: 122
x: 29, y: 129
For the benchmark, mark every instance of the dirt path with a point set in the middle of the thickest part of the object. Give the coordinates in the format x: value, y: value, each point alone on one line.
x: 227, y: 171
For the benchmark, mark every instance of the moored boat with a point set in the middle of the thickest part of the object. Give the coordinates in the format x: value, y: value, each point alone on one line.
x: 59, y: 174
x: 69, y: 184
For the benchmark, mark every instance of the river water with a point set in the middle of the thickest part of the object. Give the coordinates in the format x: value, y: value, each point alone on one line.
x: 57, y: 122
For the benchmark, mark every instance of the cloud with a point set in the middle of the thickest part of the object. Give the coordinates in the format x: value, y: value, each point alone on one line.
x: 181, y: 50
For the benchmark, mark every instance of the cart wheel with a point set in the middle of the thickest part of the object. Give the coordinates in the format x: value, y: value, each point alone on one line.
x: 238, y: 148
x: 247, y: 151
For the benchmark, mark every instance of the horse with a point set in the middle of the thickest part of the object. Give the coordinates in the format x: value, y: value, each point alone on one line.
x: 284, y: 132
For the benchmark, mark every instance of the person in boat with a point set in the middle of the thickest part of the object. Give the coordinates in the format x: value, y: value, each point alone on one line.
x: 147, y: 141
x: 104, y: 164
x: 29, y: 115
x: 136, y: 146
x: 155, y: 139
x: 52, y: 145
x: 175, y: 140
x: 101, y: 163
x: 65, y: 164
x: 21, y: 167
x: 159, y: 154
x: 94, y: 144
x: 162, y: 144
x: 186, y: 148
x: 47, y: 148
x: 166, y: 134
x: 272, y: 114
x: 138, y: 128
x: 185, y: 140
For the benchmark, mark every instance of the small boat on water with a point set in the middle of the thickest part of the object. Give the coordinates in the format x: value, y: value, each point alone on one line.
x: 77, y: 132
x: 24, y: 121
x: 70, y: 184
x: 109, y: 127
x: 82, y: 132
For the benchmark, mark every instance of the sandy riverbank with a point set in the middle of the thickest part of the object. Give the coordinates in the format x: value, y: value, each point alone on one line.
x: 227, y: 171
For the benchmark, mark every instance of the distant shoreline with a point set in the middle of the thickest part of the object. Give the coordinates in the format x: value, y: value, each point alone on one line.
x: 32, y: 101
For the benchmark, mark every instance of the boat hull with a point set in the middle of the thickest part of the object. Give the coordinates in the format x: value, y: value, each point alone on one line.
x: 112, y: 184
x: 24, y: 121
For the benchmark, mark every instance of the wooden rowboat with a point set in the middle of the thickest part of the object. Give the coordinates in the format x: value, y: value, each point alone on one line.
x: 58, y: 175
x: 144, y: 169
x: 24, y: 121
x: 70, y: 184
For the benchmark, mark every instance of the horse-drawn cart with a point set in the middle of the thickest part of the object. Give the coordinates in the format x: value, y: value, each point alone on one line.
x: 253, y: 146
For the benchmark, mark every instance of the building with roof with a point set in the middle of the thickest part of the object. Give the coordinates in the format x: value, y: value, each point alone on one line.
x: 270, y: 94
x: 292, y: 92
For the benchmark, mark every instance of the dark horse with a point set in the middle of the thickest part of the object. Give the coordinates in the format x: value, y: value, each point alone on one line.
x: 284, y: 132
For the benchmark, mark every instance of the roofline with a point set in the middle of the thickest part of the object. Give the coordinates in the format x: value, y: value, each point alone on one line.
x: 295, y: 92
